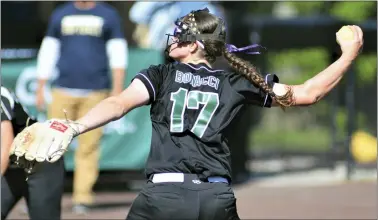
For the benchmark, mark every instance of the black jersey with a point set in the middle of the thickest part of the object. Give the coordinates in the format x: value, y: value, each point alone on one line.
x: 12, y: 110
x: 191, y: 106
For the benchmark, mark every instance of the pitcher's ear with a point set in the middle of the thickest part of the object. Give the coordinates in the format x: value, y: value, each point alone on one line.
x: 193, y: 47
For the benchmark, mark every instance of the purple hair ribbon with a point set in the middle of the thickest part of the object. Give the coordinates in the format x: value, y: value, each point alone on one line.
x: 232, y: 49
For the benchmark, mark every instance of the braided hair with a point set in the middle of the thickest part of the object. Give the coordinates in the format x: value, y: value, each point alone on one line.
x: 202, y: 22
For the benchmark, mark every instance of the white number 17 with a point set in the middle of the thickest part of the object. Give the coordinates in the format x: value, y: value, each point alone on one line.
x: 192, y: 100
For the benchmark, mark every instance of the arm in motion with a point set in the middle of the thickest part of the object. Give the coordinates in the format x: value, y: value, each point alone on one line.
x: 114, y: 107
x: 318, y: 86
x: 321, y: 84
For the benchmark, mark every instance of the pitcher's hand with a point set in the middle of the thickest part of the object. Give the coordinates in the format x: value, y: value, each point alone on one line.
x: 350, y: 39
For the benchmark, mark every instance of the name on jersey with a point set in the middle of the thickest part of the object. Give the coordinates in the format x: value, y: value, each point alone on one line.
x: 196, y: 81
x: 82, y: 25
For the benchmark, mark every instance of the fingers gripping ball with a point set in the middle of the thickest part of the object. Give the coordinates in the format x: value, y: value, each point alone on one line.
x: 345, y: 33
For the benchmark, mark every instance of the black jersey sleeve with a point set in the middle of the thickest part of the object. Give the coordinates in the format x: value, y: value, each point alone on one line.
x: 251, y: 93
x: 7, y: 105
x: 12, y: 110
x: 152, y: 79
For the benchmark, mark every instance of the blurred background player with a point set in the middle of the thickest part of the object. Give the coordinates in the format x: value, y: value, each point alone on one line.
x: 43, y: 190
x: 83, y: 39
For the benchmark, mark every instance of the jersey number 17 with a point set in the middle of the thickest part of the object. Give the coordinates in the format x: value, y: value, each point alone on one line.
x: 182, y: 100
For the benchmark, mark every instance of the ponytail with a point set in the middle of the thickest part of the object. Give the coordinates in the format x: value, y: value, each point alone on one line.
x: 251, y: 74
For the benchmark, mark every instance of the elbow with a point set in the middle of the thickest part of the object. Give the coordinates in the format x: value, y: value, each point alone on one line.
x: 313, y: 99
x: 117, y: 106
x: 309, y: 95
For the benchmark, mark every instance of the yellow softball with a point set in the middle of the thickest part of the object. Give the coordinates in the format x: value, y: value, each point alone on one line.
x: 345, y: 33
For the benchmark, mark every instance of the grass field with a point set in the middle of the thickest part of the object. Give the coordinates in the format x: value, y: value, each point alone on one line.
x: 315, y: 140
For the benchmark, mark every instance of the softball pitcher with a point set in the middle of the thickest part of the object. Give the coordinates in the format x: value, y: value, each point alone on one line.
x: 188, y: 169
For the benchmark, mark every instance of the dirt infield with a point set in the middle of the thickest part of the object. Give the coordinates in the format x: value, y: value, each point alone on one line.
x: 341, y: 201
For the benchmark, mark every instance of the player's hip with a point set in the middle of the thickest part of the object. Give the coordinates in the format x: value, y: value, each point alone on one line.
x: 175, y: 196
x: 188, y: 185
x: 186, y: 179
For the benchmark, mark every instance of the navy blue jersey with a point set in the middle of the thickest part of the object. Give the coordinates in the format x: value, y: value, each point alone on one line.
x: 191, y: 106
x: 83, y: 34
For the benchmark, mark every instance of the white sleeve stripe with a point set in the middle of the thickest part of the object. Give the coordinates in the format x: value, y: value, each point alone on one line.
x: 153, y: 89
x: 266, y: 96
x: 7, y: 95
x: 6, y: 111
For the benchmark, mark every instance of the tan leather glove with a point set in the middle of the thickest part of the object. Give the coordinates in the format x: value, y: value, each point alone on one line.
x: 44, y: 141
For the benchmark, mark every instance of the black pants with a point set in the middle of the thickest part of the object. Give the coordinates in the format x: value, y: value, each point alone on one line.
x: 43, y: 191
x: 187, y: 200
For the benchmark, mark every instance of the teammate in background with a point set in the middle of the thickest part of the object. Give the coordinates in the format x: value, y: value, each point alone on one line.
x: 44, y: 189
x: 188, y: 168
x: 83, y: 39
